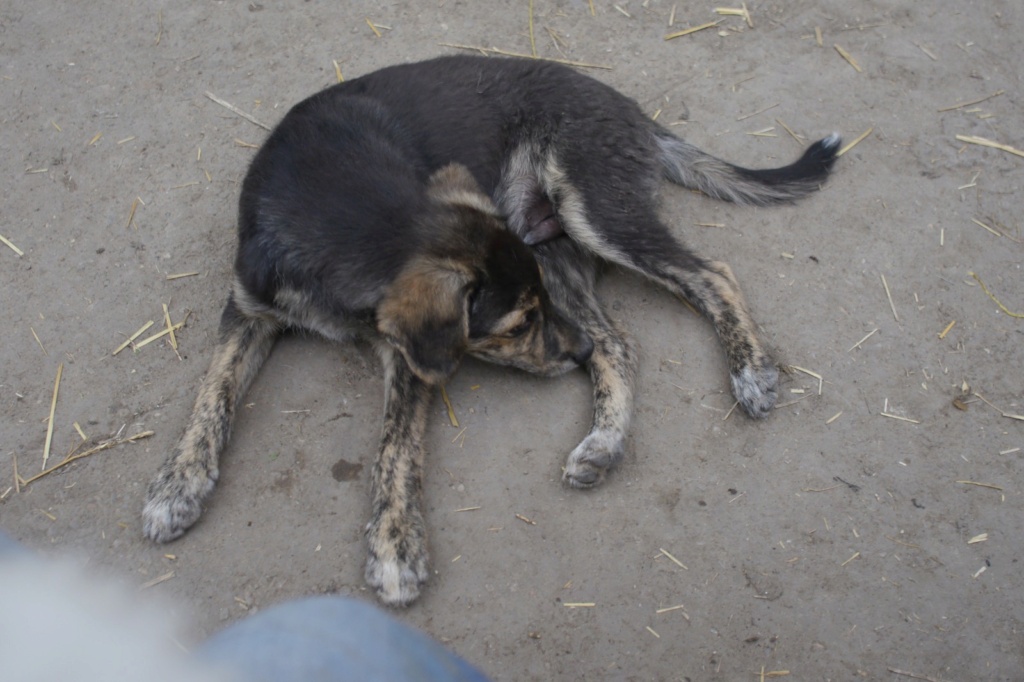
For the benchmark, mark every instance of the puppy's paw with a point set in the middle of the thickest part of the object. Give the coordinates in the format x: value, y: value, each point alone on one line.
x: 174, y: 502
x: 397, y: 565
x: 592, y: 458
x: 756, y: 388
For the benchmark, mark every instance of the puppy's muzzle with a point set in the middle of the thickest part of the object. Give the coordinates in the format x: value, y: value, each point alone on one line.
x: 569, y: 338
x: 584, y: 349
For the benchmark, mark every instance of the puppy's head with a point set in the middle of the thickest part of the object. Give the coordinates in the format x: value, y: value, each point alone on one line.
x: 475, y: 288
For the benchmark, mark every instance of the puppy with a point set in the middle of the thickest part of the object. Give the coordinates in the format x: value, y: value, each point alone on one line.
x: 463, y: 205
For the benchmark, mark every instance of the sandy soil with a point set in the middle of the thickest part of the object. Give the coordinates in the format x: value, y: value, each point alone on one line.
x: 835, y: 540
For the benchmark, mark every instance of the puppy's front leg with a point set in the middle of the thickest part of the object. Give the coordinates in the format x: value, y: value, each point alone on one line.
x: 613, y: 370
x: 570, y: 278
x: 186, y: 478
x: 396, y: 535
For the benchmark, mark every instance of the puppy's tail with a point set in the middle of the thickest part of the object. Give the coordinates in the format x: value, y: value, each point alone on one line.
x: 688, y: 166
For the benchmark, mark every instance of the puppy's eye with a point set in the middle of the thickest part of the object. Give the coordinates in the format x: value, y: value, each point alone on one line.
x: 525, y: 325
x: 474, y: 299
x: 520, y: 329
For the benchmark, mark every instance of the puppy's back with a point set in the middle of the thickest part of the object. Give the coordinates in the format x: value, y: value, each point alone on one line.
x: 329, y: 203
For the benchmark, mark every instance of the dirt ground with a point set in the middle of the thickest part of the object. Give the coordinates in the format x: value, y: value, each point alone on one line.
x: 841, y: 539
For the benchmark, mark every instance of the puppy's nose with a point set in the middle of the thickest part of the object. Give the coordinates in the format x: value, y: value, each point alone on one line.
x: 584, y: 350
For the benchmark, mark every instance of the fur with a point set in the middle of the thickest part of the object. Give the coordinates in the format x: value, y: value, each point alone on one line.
x: 458, y: 206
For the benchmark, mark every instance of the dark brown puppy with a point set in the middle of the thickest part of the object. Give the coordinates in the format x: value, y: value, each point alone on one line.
x: 379, y: 207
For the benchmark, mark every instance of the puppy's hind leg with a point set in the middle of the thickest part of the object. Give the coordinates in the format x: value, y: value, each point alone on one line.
x: 396, y: 535
x: 638, y: 240
x: 188, y: 476
x: 712, y: 288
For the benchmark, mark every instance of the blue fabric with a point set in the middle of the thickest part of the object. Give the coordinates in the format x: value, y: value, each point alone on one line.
x: 10, y: 548
x: 332, y: 638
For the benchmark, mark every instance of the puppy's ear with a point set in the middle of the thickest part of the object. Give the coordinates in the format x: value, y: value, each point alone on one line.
x: 425, y: 314
x: 454, y: 184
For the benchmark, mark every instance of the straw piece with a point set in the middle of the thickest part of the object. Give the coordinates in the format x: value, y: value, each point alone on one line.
x: 855, y: 142
x: 990, y: 229
x: 833, y: 417
x: 372, y: 27
x: 855, y: 555
x: 866, y: 337
x: 156, y: 581
x: 848, y: 57
x: 579, y: 605
x: 673, y: 559
x: 974, y: 101
x: 670, y: 608
x: 759, y: 111
x: 997, y: 302
x: 688, y: 31
x: 53, y: 408
x: 533, y: 43
x: 451, y: 411
x: 80, y: 431
x: 731, y: 12
x: 808, y: 372
x: 131, y: 213
x: 106, y: 445
x: 984, y: 142
x: 150, y: 339
x: 170, y: 327
x: 459, y: 434
x: 132, y: 337
x: 11, y: 246
x: 896, y: 671
x: 928, y: 52
x: 890, y: 415
x: 235, y: 110
x: 337, y: 71
x: 888, y: 295
x: 181, y: 274
x: 36, y: 337
x: 981, y: 485
x: 945, y: 331
x: 799, y: 139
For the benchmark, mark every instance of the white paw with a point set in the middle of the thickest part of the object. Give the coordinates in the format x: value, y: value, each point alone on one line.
x: 174, y: 503
x: 592, y: 458
x: 756, y: 389
x: 397, y: 563
x: 397, y: 582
